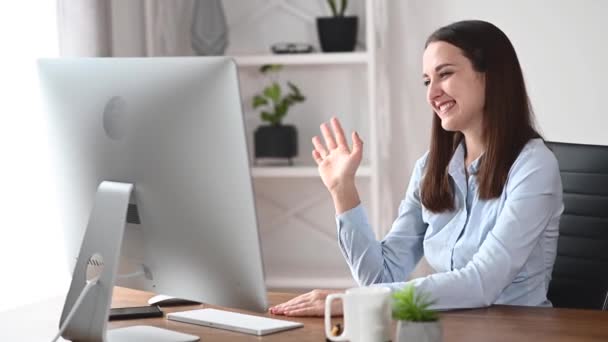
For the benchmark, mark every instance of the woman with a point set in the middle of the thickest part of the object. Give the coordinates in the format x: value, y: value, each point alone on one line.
x: 483, y: 204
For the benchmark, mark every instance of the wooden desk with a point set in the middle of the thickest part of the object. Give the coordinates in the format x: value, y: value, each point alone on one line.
x: 497, y: 323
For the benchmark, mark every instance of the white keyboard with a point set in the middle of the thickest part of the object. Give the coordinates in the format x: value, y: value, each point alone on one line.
x: 221, y: 319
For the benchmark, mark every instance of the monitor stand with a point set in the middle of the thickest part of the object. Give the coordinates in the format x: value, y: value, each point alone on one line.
x: 102, y: 241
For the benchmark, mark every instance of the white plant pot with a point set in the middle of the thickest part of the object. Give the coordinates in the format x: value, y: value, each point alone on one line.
x: 418, y: 332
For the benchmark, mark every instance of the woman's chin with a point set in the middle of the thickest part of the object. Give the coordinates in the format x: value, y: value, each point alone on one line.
x: 447, y: 125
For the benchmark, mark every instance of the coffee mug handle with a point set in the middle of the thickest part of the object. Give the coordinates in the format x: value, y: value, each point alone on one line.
x: 328, y: 327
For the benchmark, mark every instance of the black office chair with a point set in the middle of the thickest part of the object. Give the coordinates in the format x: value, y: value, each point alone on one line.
x: 580, y: 275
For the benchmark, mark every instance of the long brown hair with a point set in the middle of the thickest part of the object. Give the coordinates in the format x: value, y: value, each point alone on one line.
x: 507, y: 115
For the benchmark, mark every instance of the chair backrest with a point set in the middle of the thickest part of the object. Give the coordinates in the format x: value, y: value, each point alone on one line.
x: 580, y: 274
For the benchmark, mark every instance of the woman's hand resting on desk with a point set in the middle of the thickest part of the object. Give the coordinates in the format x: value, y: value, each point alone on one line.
x: 308, y: 304
x: 338, y: 164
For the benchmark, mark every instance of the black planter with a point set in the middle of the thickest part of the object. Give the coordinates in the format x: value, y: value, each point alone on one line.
x: 337, y: 34
x: 276, y: 142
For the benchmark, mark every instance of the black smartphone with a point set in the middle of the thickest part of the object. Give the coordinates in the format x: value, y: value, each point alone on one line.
x: 135, y: 312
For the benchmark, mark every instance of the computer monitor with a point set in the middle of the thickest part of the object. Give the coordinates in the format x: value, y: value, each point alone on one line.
x: 173, y: 130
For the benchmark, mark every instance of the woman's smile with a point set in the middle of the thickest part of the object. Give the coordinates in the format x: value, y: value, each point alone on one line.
x: 444, y: 107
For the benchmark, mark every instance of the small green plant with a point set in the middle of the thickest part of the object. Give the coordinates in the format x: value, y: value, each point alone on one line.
x: 274, y: 104
x: 337, y: 12
x: 411, y: 306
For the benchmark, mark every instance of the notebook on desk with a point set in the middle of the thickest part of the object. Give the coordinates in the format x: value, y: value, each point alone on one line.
x: 221, y: 319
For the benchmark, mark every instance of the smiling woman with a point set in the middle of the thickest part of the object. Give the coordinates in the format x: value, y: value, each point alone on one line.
x: 483, y: 204
x: 478, y: 92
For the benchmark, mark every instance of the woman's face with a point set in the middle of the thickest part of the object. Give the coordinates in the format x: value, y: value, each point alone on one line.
x: 455, y: 91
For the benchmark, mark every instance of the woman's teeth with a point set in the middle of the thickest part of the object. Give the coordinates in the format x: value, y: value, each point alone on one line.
x: 446, y: 106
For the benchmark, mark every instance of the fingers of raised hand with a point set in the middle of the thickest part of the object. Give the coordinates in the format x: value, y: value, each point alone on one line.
x: 328, y: 136
x: 319, y: 148
x: 339, y: 133
x: 357, y: 139
x: 357, y: 143
x: 317, y: 157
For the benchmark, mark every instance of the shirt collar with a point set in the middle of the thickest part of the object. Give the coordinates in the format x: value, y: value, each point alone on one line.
x: 456, y: 165
x: 457, y: 161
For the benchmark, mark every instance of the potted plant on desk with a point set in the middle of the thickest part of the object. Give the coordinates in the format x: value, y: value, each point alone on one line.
x: 416, y: 322
x: 276, y: 140
x: 337, y: 33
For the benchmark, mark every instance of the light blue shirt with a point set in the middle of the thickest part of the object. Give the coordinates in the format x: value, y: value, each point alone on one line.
x: 498, y: 251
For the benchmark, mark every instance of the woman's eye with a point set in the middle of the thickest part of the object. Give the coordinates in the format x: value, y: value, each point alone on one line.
x: 442, y: 75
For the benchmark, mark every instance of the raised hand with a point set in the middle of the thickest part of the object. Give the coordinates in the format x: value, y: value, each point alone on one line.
x: 308, y: 304
x: 338, y: 163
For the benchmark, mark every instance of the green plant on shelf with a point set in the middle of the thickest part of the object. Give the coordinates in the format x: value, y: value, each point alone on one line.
x: 337, y: 11
x: 411, y: 306
x: 273, y: 102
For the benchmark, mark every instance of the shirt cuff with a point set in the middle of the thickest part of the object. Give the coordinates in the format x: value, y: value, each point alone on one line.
x: 393, y: 286
x: 355, y: 216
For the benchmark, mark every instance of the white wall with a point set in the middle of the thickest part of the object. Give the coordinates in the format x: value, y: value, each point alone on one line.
x: 562, y: 48
x: 32, y: 262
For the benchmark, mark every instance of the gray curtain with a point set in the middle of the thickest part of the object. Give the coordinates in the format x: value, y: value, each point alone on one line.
x: 84, y: 28
x: 166, y: 27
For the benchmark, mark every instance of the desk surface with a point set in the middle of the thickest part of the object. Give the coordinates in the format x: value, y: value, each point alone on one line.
x: 38, y: 322
x: 497, y: 323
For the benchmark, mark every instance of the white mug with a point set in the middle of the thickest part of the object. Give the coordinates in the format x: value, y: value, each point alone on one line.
x: 367, y: 314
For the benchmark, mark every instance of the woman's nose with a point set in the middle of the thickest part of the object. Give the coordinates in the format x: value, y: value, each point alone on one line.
x: 433, y: 91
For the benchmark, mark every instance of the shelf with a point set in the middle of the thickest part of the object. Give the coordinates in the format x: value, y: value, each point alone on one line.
x: 360, y: 57
x: 296, y: 171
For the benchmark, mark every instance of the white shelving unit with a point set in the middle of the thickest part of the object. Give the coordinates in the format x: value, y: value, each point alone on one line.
x: 303, y: 180
x: 359, y: 57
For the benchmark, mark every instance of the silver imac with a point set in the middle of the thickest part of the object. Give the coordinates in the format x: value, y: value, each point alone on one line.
x: 165, y: 139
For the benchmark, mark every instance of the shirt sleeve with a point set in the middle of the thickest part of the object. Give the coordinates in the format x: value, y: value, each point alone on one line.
x: 534, y: 197
x: 392, y: 259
